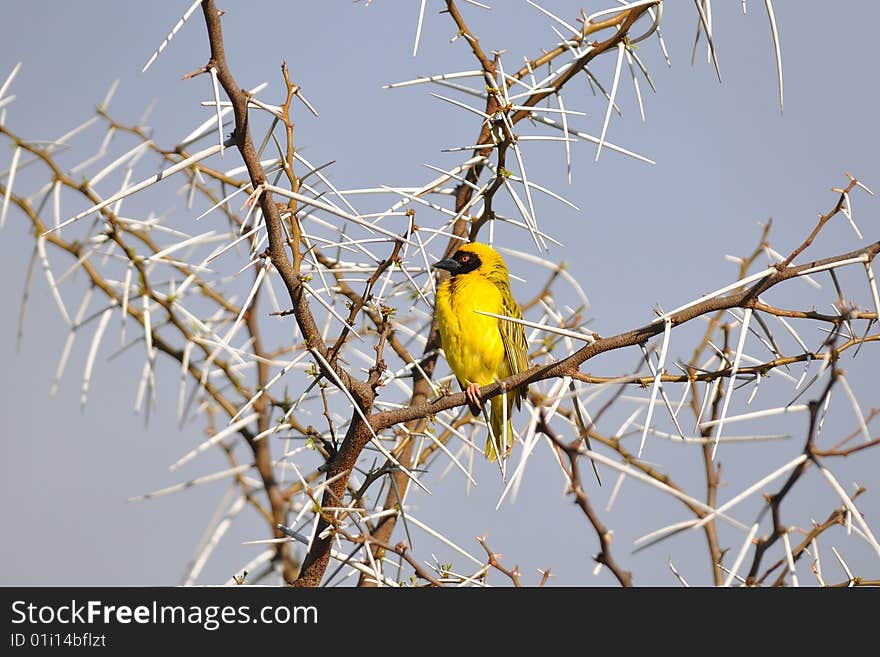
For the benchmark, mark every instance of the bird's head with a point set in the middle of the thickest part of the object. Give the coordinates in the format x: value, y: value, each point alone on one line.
x: 474, y: 257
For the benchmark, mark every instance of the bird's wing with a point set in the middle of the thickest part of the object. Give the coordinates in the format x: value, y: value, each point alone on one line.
x: 513, y: 336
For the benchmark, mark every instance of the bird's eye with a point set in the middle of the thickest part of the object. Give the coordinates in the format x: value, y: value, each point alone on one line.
x: 464, y: 258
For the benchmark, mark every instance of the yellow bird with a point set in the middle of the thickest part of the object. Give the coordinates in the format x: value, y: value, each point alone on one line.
x: 480, y: 349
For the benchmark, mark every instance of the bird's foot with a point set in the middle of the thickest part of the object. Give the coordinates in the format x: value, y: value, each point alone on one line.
x: 475, y: 404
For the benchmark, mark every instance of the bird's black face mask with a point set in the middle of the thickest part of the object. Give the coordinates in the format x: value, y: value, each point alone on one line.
x: 460, y: 263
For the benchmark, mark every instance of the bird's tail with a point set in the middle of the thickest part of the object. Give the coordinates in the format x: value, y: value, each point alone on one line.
x: 502, y: 436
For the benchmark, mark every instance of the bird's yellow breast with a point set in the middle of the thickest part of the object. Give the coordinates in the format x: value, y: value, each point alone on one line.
x: 472, y: 342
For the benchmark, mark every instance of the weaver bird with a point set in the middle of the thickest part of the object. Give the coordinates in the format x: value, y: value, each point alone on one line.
x: 480, y: 349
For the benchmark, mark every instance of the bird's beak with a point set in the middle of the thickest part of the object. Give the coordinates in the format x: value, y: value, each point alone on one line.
x: 450, y: 265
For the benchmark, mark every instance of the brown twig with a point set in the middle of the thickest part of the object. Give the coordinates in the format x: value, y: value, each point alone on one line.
x: 823, y: 219
x: 572, y: 451
x: 774, y: 501
x: 494, y: 562
x: 846, y: 452
x: 836, y: 518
